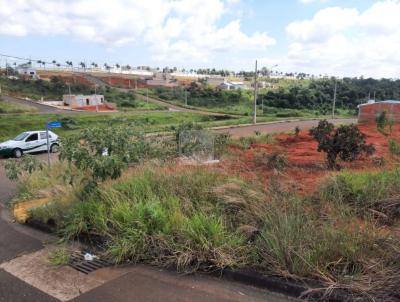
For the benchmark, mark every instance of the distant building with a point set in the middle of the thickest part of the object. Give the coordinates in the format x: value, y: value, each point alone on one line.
x: 26, y: 70
x: 369, y: 111
x: 215, y: 80
x: 230, y: 85
x: 79, y: 101
x: 161, y: 79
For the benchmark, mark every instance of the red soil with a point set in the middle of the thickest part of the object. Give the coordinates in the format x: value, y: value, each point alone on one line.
x: 307, y: 166
x: 124, y: 82
x: 99, y: 108
x: 75, y: 79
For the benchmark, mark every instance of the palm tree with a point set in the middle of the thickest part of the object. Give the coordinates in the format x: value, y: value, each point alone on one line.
x: 54, y: 62
x: 83, y: 65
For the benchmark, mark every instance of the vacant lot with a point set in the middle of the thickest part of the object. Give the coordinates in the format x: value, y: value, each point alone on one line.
x: 270, y: 205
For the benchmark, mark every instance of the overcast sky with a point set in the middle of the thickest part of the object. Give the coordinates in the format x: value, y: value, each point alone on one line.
x: 335, y: 37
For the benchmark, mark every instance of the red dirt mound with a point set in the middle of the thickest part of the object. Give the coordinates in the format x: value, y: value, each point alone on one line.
x: 306, y: 166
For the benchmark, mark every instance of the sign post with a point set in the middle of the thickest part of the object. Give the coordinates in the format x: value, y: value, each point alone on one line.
x: 50, y: 125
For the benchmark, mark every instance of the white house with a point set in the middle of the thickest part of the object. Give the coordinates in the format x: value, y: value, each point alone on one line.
x: 77, y: 101
x: 230, y: 85
x: 26, y: 70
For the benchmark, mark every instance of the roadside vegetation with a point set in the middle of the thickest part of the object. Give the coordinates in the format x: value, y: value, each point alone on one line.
x: 140, y: 204
x: 7, y: 107
x: 56, y: 87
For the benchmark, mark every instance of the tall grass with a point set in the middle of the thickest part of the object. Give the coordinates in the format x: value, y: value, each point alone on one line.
x: 169, y: 219
x: 194, y: 219
x: 362, y: 189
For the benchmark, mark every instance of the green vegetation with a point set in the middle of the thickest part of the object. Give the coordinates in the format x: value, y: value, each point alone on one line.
x: 7, y: 107
x: 201, y: 219
x: 275, y: 160
x: 12, y: 124
x: 381, y: 121
x: 56, y: 88
x: 317, y: 94
x: 59, y: 256
x: 235, y: 102
x: 15, y: 169
x: 346, y: 142
x: 36, y: 89
x: 394, y: 147
x: 363, y: 190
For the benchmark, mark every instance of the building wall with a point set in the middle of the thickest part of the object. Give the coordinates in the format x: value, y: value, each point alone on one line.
x: 368, y: 112
x: 75, y: 101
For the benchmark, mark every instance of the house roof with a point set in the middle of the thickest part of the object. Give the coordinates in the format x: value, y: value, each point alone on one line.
x: 395, y: 102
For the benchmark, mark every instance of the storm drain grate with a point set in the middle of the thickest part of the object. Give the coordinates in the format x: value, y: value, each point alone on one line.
x: 79, y: 263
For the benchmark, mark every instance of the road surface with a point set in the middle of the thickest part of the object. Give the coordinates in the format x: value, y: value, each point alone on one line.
x: 138, y: 284
x: 277, y: 127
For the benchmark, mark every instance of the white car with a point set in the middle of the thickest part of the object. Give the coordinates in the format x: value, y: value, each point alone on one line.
x: 29, y: 142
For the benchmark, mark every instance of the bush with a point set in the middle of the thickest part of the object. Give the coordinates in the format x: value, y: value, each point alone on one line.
x: 346, y: 142
x: 104, y: 152
x: 381, y: 121
x: 17, y: 168
x: 394, y: 148
x: 275, y: 160
x: 364, y: 191
x: 164, y: 219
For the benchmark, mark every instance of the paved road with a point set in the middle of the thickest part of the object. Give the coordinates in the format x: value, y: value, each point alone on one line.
x: 279, y: 127
x: 15, y: 240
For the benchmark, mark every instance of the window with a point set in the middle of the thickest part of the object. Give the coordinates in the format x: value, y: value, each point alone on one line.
x: 43, y: 135
x: 21, y: 136
x: 32, y: 137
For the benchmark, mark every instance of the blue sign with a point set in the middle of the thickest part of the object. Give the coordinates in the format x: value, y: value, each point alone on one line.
x: 54, y: 124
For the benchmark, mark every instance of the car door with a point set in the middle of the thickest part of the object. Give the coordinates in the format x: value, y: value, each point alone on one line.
x: 43, y: 141
x: 32, y: 143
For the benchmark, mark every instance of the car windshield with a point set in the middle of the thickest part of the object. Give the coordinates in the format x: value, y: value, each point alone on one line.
x: 21, y: 136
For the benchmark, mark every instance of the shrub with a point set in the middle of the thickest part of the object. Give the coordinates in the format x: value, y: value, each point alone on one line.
x: 275, y: 160
x: 346, y: 142
x: 381, y: 121
x: 104, y: 151
x: 164, y: 219
x: 364, y: 191
x: 16, y: 168
x: 297, y: 131
x: 394, y: 148
x: 59, y: 256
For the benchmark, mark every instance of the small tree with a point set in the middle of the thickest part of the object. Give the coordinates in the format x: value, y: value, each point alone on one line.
x: 381, y: 121
x: 346, y: 142
x: 104, y: 152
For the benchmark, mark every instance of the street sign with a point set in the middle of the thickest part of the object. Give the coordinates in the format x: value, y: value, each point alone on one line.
x: 54, y: 124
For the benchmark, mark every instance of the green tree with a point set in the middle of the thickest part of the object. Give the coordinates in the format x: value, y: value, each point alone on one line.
x: 346, y: 142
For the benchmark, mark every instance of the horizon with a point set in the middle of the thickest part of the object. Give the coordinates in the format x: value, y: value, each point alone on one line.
x: 320, y: 37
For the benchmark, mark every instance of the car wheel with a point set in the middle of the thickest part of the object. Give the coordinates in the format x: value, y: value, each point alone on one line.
x: 54, y: 148
x: 17, y: 153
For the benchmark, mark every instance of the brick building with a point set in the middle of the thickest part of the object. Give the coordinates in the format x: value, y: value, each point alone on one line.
x: 369, y: 111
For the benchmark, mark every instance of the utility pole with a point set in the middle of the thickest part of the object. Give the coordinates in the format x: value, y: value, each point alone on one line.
x: 255, y: 96
x: 334, y: 100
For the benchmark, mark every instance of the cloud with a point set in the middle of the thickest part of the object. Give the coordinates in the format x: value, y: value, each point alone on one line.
x: 176, y: 30
x: 312, y: 1
x: 346, y: 41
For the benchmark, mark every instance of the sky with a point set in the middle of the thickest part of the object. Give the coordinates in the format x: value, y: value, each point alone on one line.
x: 333, y: 37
